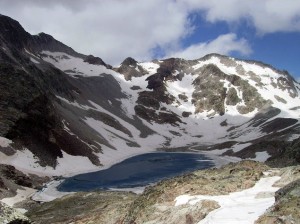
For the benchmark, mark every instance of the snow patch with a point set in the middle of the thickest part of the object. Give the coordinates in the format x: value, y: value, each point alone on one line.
x: 184, y: 87
x: 149, y: 67
x: 239, y: 207
x: 72, y: 165
x: 261, y: 156
x: 34, y: 61
x: 4, y: 142
x: 239, y: 147
x: 68, y: 165
x: 49, y: 192
x: 75, y: 104
x: 73, y: 65
x: 22, y: 194
x: 31, y: 54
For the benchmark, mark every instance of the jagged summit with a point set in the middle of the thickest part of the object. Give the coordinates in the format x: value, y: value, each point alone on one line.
x: 58, y: 105
x: 45, y: 42
x: 96, y: 61
x: 11, y: 32
x: 13, y: 35
x: 130, y: 68
x: 129, y: 62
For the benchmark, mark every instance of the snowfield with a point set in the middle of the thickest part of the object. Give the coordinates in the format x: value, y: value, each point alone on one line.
x: 242, y: 207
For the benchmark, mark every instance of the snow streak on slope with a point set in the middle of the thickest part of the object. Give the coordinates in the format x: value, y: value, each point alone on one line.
x: 72, y: 65
x: 68, y: 165
x: 183, y: 87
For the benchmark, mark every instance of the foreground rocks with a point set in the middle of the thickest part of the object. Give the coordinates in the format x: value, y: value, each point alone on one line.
x: 11, y: 215
x: 93, y: 207
x: 287, y: 205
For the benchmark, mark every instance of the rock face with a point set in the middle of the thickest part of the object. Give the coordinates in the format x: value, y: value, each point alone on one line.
x: 58, y: 104
x: 12, y: 179
x: 130, y: 68
x: 28, y: 111
x: 96, y: 61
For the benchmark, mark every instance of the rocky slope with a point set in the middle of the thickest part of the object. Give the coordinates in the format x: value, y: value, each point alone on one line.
x: 8, y: 215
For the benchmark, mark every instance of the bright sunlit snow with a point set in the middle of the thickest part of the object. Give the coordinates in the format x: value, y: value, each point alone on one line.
x: 242, y: 207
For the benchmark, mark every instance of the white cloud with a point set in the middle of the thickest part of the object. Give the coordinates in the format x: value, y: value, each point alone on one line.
x: 111, y: 29
x: 116, y: 29
x: 267, y: 16
x: 224, y: 44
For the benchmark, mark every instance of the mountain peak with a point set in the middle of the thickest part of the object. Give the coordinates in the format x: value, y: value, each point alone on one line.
x: 12, y: 33
x: 129, y: 61
x: 46, y: 42
x: 131, y: 68
x: 46, y: 36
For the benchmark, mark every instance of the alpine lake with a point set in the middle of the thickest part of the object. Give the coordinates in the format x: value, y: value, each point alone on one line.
x: 137, y: 171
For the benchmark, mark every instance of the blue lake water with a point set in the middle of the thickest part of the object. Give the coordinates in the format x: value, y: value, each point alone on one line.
x: 137, y: 171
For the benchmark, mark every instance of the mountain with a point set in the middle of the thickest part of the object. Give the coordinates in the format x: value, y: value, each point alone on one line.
x: 63, y: 112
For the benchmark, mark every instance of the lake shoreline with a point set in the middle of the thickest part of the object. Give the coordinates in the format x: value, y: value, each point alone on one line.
x: 50, y: 191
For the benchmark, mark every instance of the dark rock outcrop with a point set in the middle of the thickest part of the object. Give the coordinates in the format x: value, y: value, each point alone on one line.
x: 12, y: 33
x: 96, y: 61
x: 130, y: 68
x: 45, y: 42
x: 13, y: 179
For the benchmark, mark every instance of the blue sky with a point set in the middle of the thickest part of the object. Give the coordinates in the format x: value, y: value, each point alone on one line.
x: 264, y: 30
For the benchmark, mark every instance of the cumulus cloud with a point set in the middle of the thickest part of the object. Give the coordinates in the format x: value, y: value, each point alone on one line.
x: 224, y: 44
x: 116, y: 29
x: 266, y: 16
x: 111, y: 29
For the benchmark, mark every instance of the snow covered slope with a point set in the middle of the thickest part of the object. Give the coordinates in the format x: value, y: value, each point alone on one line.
x: 75, y: 109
